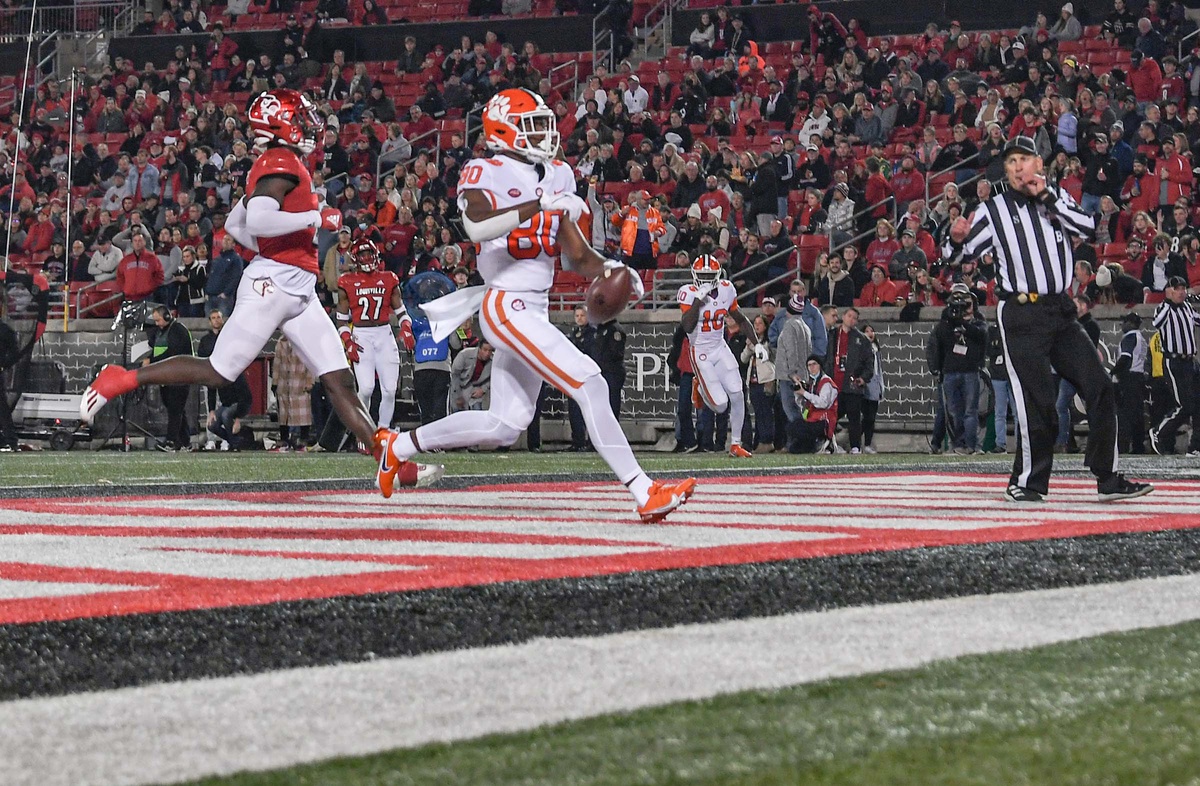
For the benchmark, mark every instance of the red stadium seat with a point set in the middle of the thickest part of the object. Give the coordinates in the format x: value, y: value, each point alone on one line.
x: 810, y: 247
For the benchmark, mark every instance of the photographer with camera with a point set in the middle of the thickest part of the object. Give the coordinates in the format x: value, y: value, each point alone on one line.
x: 958, y: 342
x: 1176, y: 320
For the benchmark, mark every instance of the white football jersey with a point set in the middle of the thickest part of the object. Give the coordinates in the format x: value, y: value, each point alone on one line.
x: 522, y: 260
x: 710, y: 330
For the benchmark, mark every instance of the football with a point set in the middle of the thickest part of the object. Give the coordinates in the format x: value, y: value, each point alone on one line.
x: 609, y: 294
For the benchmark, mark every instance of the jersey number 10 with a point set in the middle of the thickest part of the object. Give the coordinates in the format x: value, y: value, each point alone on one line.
x: 530, y: 242
x: 714, y: 320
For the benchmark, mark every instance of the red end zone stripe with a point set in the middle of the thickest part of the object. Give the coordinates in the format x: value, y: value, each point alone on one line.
x: 162, y: 592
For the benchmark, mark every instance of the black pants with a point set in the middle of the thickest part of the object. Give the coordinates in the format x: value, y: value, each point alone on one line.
x: 8, y: 431
x: 431, y: 389
x: 616, y: 384
x: 533, y: 432
x: 1131, y: 411
x: 1180, y: 375
x: 803, y: 435
x: 850, y: 405
x: 1040, y: 339
x: 175, y: 398
x: 869, y: 412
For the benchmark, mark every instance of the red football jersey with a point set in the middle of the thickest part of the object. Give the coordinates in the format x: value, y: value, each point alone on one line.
x: 370, y: 295
x: 295, y: 248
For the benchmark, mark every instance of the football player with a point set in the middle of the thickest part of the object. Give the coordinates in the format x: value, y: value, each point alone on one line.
x: 277, y: 219
x: 369, y: 296
x: 521, y: 208
x: 706, y: 303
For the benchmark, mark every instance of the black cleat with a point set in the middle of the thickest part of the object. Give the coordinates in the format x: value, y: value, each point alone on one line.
x: 1018, y: 494
x: 1118, y: 488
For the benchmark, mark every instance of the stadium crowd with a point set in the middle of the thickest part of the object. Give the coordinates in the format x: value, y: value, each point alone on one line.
x: 839, y: 159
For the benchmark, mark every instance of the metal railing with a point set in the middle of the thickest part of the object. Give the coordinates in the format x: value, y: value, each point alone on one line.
x: 1192, y: 34
x: 82, y: 18
x: 397, y: 158
x: 604, y: 41
x: 951, y: 168
x: 82, y: 311
x: 571, y: 82
x: 655, y: 30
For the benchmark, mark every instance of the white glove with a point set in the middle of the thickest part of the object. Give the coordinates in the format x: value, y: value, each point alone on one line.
x: 638, y: 287
x: 761, y: 353
x: 566, y: 202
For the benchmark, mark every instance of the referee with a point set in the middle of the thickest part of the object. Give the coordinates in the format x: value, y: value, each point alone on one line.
x: 1027, y: 228
x: 1175, y: 320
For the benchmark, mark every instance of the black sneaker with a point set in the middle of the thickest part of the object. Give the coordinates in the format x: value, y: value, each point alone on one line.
x: 1018, y: 494
x: 1118, y: 488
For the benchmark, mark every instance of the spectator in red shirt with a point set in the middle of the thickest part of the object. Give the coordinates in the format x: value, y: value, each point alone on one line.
x: 1145, y: 77
x: 907, y: 184
x: 1141, y: 190
x: 39, y: 235
x: 1175, y: 171
x: 878, y: 192
x: 879, y: 291
x: 884, y: 246
x: 140, y: 272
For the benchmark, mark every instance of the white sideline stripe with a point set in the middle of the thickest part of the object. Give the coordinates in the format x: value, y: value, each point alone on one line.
x: 172, y: 732
x: 15, y: 589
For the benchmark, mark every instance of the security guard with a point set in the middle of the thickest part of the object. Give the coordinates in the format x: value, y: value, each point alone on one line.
x: 1176, y: 322
x: 609, y: 354
x: 1129, y: 373
x: 1027, y: 227
x: 583, y: 336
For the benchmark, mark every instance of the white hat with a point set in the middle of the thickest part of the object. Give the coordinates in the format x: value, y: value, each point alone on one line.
x: 634, y: 78
x: 1070, y: 9
x: 693, y: 211
x: 1103, y: 276
x: 716, y: 214
x: 140, y: 94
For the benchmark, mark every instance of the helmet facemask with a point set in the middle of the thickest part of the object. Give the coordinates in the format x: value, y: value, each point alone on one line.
x: 527, y: 124
x: 706, y: 276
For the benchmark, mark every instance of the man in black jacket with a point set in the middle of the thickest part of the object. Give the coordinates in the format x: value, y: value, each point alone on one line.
x: 850, y: 362
x: 959, y: 341
x: 1102, y: 177
x: 172, y: 339
x: 764, y: 193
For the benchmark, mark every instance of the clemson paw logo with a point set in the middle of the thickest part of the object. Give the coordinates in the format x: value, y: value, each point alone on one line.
x: 497, y: 108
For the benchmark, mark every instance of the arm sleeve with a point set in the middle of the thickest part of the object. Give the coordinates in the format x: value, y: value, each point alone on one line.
x: 979, y: 239
x: 264, y: 218
x: 235, y: 225
x: 1160, y: 315
x: 1073, y: 218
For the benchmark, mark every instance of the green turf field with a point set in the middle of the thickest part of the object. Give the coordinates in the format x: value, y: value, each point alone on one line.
x: 48, y: 468
x: 1118, y: 709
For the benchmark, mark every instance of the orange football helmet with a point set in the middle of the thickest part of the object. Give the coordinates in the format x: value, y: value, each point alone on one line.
x: 706, y: 271
x: 285, y: 116
x: 366, y: 255
x: 512, y: 117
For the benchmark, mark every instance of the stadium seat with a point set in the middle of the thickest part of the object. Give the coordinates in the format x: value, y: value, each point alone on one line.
x: 810, y: 247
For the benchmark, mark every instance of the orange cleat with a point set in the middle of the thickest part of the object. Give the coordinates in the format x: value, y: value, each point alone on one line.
x: 393, y: 471
x: 664, y: 498
x: 737, y: 451
x: 697, y: 399
x: 111, y: 382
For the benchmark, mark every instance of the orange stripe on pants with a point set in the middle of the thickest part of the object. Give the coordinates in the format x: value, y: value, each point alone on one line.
x: 520, y: 344
x: 704, y: 394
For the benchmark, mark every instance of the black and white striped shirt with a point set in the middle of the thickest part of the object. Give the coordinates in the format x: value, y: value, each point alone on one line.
x: 1030, y: 239
x: 1176, y: 327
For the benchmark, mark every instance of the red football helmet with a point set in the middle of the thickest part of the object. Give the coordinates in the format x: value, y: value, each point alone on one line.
x: 286, y: 116
x: 509, y: 119
x: 706, y: 270
x: 366, y: 255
